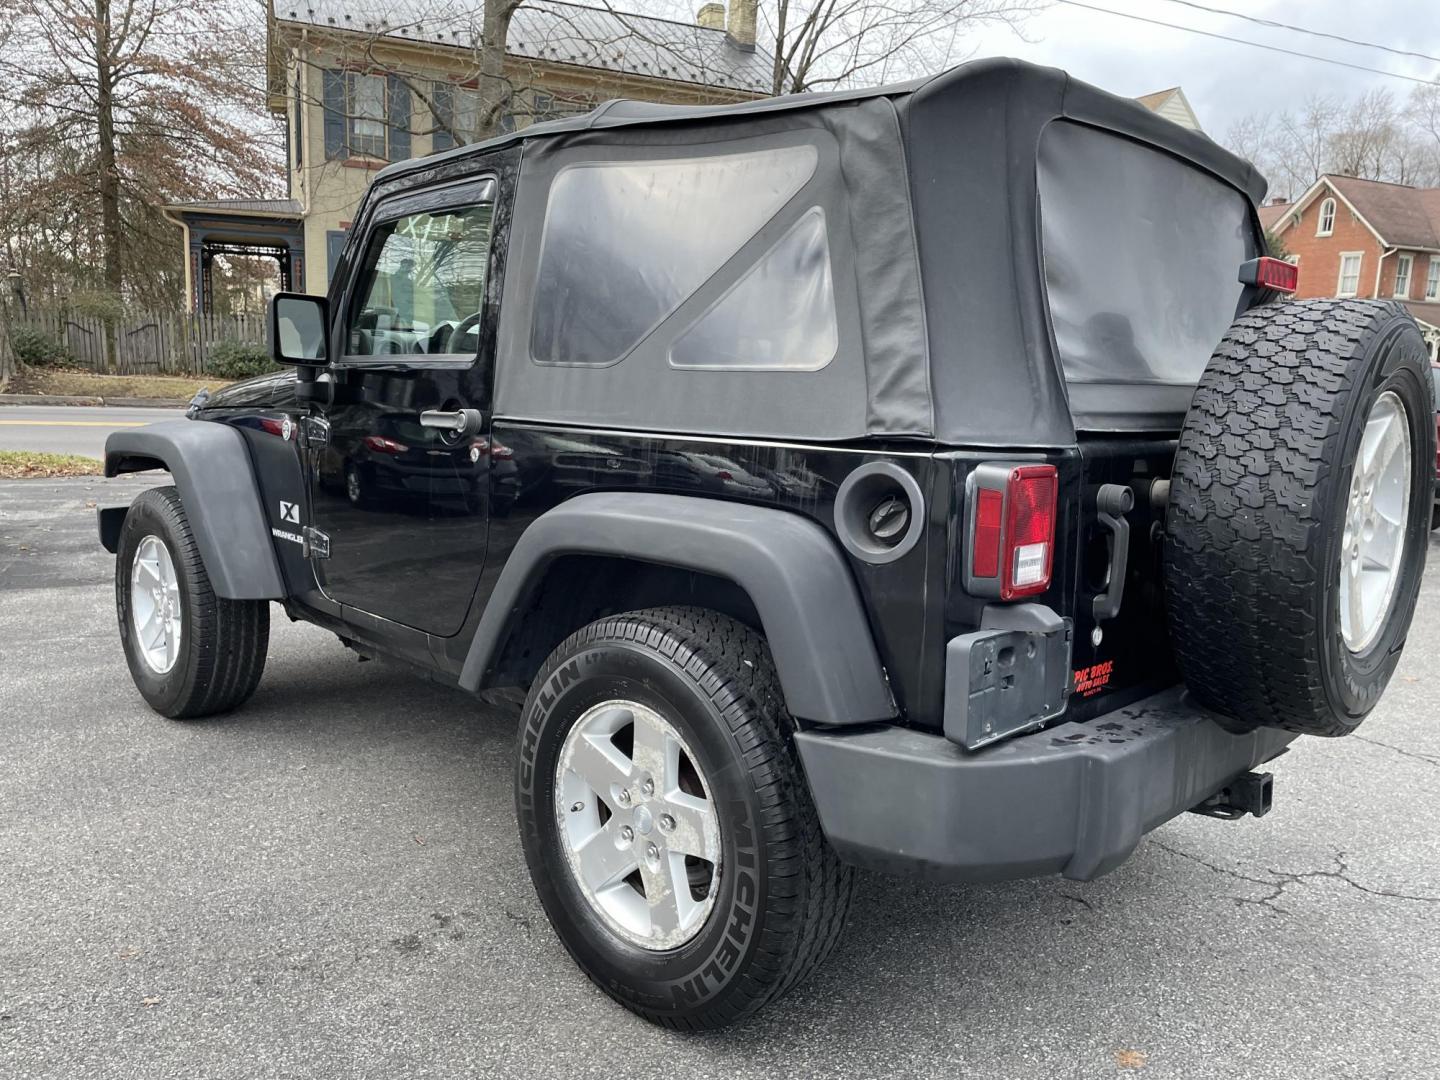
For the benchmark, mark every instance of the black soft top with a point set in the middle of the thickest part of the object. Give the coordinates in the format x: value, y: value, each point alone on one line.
x: 937, y: 181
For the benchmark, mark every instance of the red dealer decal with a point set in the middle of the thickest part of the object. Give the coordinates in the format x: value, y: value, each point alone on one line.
x: 1091, y: 680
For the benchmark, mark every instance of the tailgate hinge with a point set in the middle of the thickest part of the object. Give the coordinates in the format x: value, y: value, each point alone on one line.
x: 317, y: 543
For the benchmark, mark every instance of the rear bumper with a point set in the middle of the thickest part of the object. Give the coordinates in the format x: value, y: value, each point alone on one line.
x: 1073, y: 799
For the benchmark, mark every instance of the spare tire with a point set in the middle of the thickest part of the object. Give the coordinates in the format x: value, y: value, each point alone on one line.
x: 1299, y: 513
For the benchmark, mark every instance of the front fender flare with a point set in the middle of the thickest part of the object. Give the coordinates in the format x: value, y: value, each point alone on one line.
x: 213, y: 473
x: 791, y: 568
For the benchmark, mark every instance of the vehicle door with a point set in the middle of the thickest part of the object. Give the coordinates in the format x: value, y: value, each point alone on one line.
x: 398, y: 460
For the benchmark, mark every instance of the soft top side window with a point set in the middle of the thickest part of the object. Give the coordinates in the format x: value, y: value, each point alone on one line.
x: 626, y: 242
x: 422, y: 286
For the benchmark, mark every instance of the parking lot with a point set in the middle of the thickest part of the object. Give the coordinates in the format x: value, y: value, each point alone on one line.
x: 328, y: 884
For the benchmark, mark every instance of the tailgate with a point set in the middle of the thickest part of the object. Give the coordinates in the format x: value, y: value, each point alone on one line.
x: 1122, y: 657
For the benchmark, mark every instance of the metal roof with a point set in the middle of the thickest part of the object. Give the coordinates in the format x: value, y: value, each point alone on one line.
x: 268, y: 207
x: 556, y: 32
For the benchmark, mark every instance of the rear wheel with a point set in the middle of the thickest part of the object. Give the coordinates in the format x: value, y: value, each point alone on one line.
x: 666, y: 825
x: 1299, y: 508
x: 190, y: 652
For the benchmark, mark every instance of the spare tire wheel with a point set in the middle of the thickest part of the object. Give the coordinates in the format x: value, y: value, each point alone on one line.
x: 1299, y: 514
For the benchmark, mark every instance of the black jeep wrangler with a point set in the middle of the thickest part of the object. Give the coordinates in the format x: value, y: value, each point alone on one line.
x: 932, y: 478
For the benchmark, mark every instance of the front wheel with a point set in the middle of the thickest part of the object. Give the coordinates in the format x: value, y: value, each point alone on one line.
x: 190, y: 652
x: 665, y: 821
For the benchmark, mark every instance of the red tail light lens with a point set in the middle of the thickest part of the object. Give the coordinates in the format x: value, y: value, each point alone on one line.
x: 1271, y: 273
x: 1029, y: 544
x: 989, y: 511
x: 381, y: 445
x: 1011, y: 529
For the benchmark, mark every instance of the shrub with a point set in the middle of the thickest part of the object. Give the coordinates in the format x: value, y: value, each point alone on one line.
x: 238, y: 360
x: 96, y: 305
x: 35, y: 348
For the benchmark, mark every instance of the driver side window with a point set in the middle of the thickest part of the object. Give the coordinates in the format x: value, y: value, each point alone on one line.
x: 423, y: 285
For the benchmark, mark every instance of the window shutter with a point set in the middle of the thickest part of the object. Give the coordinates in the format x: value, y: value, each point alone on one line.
x: 442, y: 97
x: 334, y: 94
x: 398, y: 114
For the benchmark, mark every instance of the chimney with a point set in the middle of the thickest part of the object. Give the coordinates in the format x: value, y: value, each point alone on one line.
x: 740, y: 29
x: 1279, y: 200
x: 711, y: 17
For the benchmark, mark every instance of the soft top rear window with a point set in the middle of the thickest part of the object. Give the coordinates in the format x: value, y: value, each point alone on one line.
x: 1141, y: 253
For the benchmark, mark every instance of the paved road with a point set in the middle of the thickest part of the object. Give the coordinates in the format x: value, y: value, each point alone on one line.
x: 328, y: 884
x: 70, y: 429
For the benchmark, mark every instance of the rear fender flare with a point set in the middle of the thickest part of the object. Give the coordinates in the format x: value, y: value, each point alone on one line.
x: 791, y: 568
x: 216, y: 481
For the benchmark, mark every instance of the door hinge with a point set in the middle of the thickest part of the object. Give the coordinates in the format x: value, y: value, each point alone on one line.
x: 317, y: 543
x: 314, y: 431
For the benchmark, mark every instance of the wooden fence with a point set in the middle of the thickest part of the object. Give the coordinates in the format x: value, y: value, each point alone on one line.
x: 156, y: 343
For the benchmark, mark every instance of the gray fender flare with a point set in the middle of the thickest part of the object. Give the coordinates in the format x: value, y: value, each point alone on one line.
x: 792, y: 569
x: 213, y: 473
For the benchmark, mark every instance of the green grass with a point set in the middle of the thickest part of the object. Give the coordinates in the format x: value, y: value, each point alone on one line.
x: 29, y: 465
x: 83, y: 384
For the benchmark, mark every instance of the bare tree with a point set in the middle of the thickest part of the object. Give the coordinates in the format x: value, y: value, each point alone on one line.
x: 1371, y: 137
x: 826, y: 44
x: 114, y: 107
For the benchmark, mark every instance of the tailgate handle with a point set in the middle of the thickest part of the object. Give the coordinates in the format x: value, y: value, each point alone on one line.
x: 1112, y: 503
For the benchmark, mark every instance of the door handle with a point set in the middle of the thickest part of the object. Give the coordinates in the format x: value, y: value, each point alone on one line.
x: 460, y: 422
x: 1112, y: 503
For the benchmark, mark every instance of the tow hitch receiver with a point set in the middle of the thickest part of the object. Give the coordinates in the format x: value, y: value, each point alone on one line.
x: 1251, y: 793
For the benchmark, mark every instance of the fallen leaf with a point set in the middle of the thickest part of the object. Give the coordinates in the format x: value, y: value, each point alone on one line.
x: 1412, y: 678
x: 1130, y: 1059
x: 150, y: 1002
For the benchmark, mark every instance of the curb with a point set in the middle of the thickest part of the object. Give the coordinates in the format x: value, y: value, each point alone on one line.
x: 80, y: 400
x: 144, y: 403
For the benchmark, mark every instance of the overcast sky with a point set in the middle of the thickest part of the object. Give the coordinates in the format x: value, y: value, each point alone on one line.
x: 1223, y: 80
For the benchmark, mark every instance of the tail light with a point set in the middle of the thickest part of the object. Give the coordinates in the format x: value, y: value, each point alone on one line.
x: 1270, y: 273
x: 486, y: 445
x: 382, y: 445
x: 1010, y: 530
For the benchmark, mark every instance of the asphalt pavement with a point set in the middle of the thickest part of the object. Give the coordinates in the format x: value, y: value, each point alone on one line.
x: 70, y: 429
x: 328, y: 884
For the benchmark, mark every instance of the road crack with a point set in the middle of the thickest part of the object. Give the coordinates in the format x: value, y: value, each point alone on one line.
x: 1399, y: 750
x: 1279, y: 881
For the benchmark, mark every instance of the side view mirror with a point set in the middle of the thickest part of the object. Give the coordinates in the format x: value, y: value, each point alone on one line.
x: 298, y: 329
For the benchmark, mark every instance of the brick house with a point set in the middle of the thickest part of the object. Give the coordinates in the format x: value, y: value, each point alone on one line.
x: 1352, y: 237
x: 359, y: 84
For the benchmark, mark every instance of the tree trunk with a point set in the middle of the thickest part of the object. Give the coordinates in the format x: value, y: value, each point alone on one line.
x: 109, y: 178
x: 494, y: 88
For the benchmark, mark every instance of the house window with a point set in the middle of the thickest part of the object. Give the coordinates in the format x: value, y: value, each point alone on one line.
x: 1432, y: 279
x: 367, y: 114
x: 1349, y: 284
x: 1326, y: 224
x: 457, y: 115
x: 1404, y: 264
